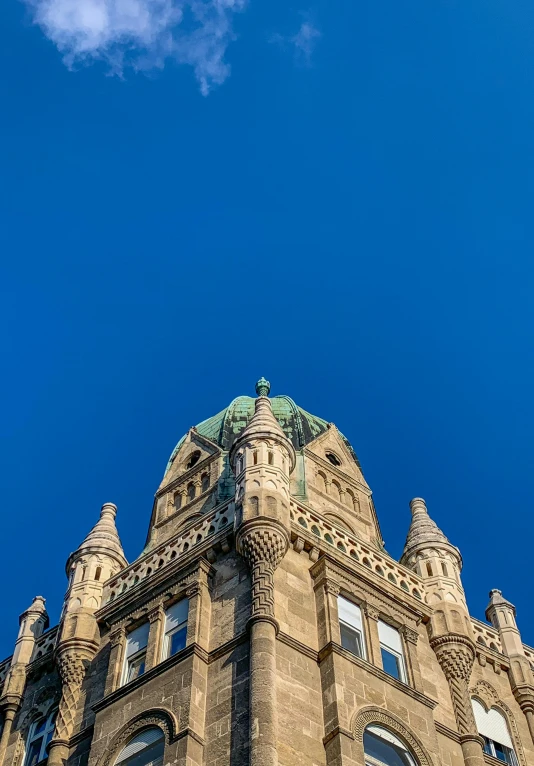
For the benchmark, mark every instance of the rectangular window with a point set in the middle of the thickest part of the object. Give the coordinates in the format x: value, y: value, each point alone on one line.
x: 134, y: 663
x: 351, y: 627
x: 175, y: 628
x: 392, y: 651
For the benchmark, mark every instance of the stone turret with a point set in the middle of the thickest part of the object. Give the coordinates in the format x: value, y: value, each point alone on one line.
x: 502, y: 615
x: 32, y: 623
x: 262, y: 458
x: 429, y: 553
x: 99, y: 557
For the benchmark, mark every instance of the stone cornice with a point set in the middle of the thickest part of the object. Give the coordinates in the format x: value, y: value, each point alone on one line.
x: 372, y: 586
x: 336, y: 732
x: 191, y: 473
x: 450, y: 733
x: 146, y: 594
x: 333, y: 648
x: 298, y: 646
x: 154, y: 672
x: 359, y: 485
x: 81, y: 735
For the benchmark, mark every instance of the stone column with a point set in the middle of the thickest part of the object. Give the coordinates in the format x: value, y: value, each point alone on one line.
x: 72, y: 665
x: 456, y: 655
x: 526, y: 703
x: 117, y: 641
x: 374, y: 654
x: 156, y: 619
x: 263, y: 546
x: 412, y: 660
x: 10, y: 710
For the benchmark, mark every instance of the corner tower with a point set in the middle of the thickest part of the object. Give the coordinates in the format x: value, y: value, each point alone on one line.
x: 99, y: 557
x: 262, y: 459
x: 429, y: 553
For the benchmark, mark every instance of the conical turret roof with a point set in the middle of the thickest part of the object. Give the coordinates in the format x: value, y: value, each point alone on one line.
x: 423, y: 532
x: 103, y: 538
x: 263, y: 423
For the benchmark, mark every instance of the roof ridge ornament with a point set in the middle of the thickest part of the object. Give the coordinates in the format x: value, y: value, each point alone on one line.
x: 263, y: 387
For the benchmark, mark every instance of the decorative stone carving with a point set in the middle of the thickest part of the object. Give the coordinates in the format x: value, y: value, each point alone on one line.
x: 376, y: 715
x: 160, y: 718
x: 263, y: 548
x: 410, y: 635
x: 372, y: 611
x: 72, y: 668
x: 456, y: 656
x: 332, y: 588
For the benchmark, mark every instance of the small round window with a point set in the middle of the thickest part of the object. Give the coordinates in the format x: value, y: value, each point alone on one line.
x: 193, y: 459
x: 333, y: 458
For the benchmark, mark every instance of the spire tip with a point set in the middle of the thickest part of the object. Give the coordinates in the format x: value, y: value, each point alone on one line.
x: 263, y: 387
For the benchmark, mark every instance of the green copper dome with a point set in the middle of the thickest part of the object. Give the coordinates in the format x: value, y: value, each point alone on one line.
x: 299, y: 426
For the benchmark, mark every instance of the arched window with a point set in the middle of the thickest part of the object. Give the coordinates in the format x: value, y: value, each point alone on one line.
x: 145, y: 749
x: 205, y: 482
x: 492, y: 726
x: 38, y: 738
x: 191, y: 491
x: 383, y: 748
x: 336, y: 491
x: 193, y: 460
x: 321, y: 482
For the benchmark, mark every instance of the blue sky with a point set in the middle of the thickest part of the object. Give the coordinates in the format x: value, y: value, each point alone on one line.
x: 337, y: 196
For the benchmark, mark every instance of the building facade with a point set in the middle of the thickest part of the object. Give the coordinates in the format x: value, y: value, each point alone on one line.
x: 264, y: 624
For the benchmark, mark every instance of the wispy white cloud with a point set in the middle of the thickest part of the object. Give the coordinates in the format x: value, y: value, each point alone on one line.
x: 142, y: 34
x: 302, y: 43
x: 305, y: 40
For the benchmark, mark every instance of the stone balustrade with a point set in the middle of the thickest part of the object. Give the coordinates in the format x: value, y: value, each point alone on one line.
x: 184, y: 541
x: 45, y: 643
x: 486, y: 636
x: 328, y: 534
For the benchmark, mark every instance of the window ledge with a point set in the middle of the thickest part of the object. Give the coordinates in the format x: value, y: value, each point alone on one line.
x: 153, y: 672
x: 333, y: 648
x: 490, y: 759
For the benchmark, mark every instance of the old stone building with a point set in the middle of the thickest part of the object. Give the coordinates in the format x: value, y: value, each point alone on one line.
x: 264, y: 623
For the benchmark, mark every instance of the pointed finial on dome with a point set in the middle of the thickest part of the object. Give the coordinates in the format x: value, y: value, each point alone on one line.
x: 263, y: 387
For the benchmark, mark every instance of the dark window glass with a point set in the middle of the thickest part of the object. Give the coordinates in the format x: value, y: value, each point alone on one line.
x: 351, y: 639
x: 193, y: 460
x: 385, y: 752
x: 177, y: 640
x: 333, y: 458
x: 391, y: 663
x: 136, y: 667
x: 149, y: 756
x: 34, y: 752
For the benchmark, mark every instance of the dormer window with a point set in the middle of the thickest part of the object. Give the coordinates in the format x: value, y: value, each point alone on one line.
x: 193, y: 459
x: 333, y: 458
